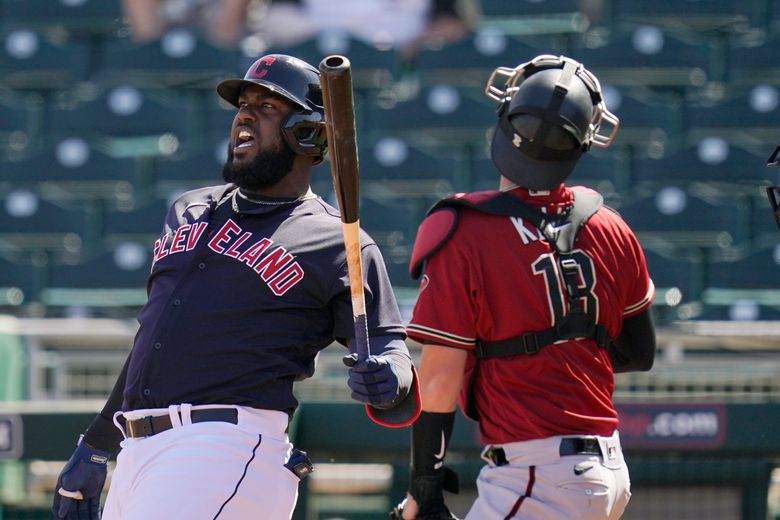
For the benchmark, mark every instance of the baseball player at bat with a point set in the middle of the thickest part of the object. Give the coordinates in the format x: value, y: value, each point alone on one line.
x: 249, y: 283
x: 532, y: 297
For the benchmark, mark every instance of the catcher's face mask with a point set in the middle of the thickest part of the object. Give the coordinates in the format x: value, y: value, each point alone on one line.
x: 773, y: 192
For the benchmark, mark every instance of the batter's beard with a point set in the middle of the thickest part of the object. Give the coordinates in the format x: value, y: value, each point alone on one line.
x: 266, y: 169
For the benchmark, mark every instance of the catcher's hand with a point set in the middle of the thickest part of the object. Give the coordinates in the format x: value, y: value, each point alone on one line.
x: 411, y: 509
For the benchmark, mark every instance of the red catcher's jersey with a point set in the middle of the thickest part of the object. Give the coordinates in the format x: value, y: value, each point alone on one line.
x: 496, y: 278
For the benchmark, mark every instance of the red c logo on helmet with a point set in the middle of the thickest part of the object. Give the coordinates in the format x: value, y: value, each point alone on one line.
x: 262, y: 67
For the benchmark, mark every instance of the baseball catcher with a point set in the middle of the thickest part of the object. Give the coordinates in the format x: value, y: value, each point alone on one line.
x: 531, y: 297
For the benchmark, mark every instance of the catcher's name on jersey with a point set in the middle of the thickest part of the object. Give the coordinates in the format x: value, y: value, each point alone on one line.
x: 274, y: 265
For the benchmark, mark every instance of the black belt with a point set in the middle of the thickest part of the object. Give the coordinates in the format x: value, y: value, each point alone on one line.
x: 569, y: 446
x: 149, y: 425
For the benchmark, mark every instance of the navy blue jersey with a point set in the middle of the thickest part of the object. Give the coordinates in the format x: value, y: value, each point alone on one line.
x: 240, y: 303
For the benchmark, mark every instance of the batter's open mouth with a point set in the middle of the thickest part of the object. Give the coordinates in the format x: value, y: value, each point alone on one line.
x: 244, y: 139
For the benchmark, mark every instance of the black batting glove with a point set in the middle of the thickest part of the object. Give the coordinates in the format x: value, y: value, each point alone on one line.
x: 373, y: 380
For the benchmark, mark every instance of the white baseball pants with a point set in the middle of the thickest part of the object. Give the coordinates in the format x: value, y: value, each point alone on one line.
x: 539, y: 484
x: 205, y: 470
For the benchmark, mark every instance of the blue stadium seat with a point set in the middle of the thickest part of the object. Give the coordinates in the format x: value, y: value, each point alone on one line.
x: 687, y: 218
x: 753, y: 61
x: 535, y: 17
x: 741, y: 115
x: 711, y: 161
x: 470, y: 61
x: 648, y: 56
x: 392, y: 167
x: 30, y: 223
x: 179, y: 59
x: 21, y: 118
x: 108, y: 282
x: 90, y: 16
x: 676, y: 273
x: 693, y: 15
x: 646, y: 117
x: 20, y: 280
x: 30, y: 61
x: 193, y: 167
x: 123, y: 112
x: 439, y: 115
x: 72, y: 169
x: 748, y: 269
x: 372, y: 66
x: 141, y: 222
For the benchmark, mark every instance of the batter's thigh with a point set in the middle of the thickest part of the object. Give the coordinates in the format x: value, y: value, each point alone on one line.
x: 207, y: 471
x: 552, y: 491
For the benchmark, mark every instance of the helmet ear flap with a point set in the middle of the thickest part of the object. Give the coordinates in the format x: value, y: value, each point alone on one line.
x: 305, y: 133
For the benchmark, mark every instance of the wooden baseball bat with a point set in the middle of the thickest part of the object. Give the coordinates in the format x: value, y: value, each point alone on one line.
x: 336, y: 80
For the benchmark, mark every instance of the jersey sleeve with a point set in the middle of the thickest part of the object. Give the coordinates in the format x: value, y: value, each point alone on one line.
x: 640, y: 287
x: 445, y: 309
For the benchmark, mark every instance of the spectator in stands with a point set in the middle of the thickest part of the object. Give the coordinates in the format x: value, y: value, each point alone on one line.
x: 222, y: 21
x: 405, y: 25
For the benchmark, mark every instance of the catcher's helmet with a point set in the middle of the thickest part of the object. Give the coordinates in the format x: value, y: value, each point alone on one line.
x: 297, y: 81
x: 550, y: 113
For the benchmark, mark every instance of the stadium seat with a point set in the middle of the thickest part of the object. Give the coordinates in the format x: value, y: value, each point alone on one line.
x: 710, y: 15
x: 534, y: 16
x: 753, y: 61
x: 648, y: 56
x: 123, y: 112
x: 441, y: 115
x: 72, y: 169
x: 21, y: 279
x: 89, y: 16
x: 392, y: 224
x: 180, y: 59
x: 109, y: 282
x: 687, y: 218
x: 745, y: 114
x: 31, y: 61
x: 21, y: 118
x: 372, y: 66
x: 711, y: 161
x: 676, y: 273
x: 141, y: 222
x: 391, y: 167
x: 749, y: 269
x: 30, y: 223
x: 202, y: 167
x: 646, y: 117
x: 470, y: 62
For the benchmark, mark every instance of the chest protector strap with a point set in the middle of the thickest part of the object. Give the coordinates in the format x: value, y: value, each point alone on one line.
x: 561, y: 233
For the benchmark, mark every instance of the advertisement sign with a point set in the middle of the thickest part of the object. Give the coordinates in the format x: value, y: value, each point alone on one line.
x: 688, y: 427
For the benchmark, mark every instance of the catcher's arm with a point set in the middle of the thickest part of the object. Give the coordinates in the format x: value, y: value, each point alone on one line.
x: 634, y: 349
x: 441, y: 370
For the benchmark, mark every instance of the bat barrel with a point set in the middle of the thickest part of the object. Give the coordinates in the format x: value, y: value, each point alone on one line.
x: 335, y: 64
x: 336, y: 79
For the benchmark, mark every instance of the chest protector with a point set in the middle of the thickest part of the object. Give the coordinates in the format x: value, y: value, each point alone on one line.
x: 560, y: 231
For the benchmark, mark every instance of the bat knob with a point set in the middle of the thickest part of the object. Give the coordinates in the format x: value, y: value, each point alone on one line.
x: 350, y: 360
